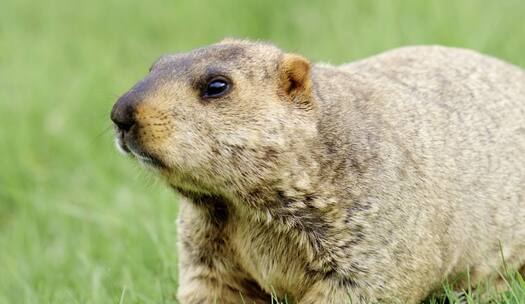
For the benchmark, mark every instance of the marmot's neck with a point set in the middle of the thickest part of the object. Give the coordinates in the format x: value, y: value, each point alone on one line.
x: 299, y: 199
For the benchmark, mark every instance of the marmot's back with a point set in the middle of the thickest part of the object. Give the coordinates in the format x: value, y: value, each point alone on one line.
x: 448, y: 129
x: 457, y: 110
x: 461, y: 114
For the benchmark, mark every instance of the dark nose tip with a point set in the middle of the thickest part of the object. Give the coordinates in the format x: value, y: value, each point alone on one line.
x: 123, y: 113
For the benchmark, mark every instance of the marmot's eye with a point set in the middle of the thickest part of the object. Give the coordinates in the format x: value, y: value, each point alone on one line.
x: 216, y: 88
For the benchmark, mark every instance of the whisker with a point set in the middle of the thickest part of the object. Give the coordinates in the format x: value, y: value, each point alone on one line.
x: 99, y: 135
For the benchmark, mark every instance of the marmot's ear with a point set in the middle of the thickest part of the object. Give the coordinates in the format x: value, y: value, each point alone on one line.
x: 295, y: 79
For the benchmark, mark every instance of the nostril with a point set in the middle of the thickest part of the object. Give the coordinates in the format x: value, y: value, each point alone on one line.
x: 122, y: 115
x: 124, y: 126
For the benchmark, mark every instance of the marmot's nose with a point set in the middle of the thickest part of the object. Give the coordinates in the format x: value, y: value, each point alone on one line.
x: 123, y: 113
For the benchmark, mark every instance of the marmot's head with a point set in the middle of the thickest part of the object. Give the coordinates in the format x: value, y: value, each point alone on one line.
x: 220, y: 117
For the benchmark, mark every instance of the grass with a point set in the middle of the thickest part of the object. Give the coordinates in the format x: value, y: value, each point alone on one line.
x: 81, y: 224
x: 484, y: 292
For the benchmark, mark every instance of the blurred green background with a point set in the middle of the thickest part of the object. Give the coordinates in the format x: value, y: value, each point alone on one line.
x: 81, y: 224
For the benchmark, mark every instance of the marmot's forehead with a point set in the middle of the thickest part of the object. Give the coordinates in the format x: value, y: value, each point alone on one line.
x: 231, y: 55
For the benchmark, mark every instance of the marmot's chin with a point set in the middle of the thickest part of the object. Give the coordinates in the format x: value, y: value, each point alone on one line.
x: 150, y: 161
x: 147, y: 159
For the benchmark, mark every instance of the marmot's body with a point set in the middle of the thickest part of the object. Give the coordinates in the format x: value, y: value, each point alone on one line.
x: 373, y: 181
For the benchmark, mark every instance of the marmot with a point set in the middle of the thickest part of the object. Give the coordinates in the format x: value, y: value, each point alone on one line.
x: 367, y: 182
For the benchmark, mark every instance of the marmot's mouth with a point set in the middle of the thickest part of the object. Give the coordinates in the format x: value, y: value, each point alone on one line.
x: 120, y: 143
x: 127, y: 145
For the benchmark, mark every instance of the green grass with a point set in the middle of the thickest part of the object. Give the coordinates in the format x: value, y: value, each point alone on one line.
x: 81, y: 224
x: 484, y: 292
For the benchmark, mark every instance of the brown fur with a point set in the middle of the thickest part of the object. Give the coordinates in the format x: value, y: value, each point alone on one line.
x: 374, y: 180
